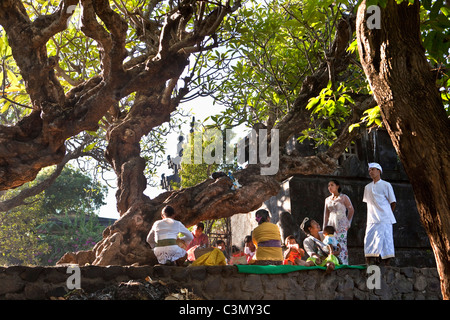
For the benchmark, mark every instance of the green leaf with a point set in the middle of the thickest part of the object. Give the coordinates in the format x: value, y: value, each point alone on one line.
x: 353, y: 46
x: 353, y: 126
x: 5, y: 107
x: 90, y: 147
x: 13, y: 81
x: 312, y: 102
x: 446, y: 11
x: 378, y: 122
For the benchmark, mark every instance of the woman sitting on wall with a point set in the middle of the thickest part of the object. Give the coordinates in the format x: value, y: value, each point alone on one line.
x: 267, y: 239
x: 315, y: 248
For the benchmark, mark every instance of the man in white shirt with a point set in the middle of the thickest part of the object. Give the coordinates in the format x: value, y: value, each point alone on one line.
x: 163, y: 237
x: 380, y: 198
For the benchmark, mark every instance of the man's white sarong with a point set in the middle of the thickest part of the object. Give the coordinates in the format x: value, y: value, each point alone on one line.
x: 379, y: 240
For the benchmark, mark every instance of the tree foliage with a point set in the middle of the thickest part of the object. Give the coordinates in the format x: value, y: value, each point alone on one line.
x: 192, y: 173
x: 271, y: 50
x: 20, y: 241
x: 59, y: 197
x: 273, y: 47
x: 60, y: 219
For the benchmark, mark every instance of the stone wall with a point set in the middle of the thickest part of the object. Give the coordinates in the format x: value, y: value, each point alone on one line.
x: 225, y: 282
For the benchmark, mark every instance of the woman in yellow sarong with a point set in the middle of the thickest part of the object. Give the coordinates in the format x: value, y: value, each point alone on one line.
x: 267, y: 239
x: 215, y: 257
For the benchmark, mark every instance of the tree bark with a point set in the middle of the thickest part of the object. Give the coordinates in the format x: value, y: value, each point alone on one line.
x: 38, y: 140
x: 394, y: 61
x: 21, y: 198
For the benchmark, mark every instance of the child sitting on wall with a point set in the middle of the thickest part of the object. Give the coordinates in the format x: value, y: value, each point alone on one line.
x: 293, y: 254
x: 249, y: 249
x: 330, y: 240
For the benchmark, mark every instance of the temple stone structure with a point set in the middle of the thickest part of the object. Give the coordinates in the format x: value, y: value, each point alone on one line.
x: 304, y: 196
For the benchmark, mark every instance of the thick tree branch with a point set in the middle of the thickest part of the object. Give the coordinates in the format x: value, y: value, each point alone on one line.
x: 118, y: 31
x: 93, y: 29
x: 20, y: 199
x: 44, y: 27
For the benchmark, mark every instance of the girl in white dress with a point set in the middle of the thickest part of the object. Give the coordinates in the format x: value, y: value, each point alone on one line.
x: 163, y: 236
x: 336, y: 206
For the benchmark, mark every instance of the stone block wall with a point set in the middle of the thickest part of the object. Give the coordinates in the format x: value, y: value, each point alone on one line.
x: 226, y: 283
x: 303, y: 196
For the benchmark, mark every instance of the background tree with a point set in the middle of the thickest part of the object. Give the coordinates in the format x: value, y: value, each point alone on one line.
x: 71, y: 205
x: 20, y: 241
x: 192, y: 174
x: 60, y: 219
x: 73, y: 191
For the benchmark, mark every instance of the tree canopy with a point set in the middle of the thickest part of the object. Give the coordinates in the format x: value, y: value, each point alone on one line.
x: 275, y: 46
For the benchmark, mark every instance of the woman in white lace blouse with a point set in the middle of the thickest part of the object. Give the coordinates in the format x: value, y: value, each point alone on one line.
x: 163, y: 236
x: 336, y: 215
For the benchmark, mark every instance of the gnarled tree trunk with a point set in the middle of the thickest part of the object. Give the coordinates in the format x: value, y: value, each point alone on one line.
x: 38, y: 140
x: 399, y: 74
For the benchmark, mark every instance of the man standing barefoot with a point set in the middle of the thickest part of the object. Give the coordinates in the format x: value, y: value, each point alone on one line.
x: 380, y: 199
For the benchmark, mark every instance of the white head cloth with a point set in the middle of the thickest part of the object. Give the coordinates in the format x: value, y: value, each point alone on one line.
x: 375, y: 165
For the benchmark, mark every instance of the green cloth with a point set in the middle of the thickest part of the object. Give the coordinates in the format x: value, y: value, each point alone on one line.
x: 330, y: 258
x: 248, y: 268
